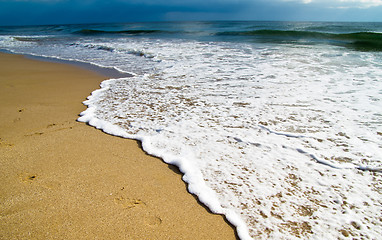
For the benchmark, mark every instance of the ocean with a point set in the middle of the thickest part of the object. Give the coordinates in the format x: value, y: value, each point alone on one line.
x: 276, y: 125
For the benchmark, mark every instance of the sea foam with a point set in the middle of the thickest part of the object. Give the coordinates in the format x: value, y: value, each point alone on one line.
x: 262, y: 135
x: 192, y: 175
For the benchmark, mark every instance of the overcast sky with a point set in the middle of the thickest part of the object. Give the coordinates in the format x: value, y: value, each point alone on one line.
x: 28, y: 12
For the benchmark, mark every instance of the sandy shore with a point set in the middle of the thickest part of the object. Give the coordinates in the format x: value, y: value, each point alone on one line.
x: 61, y: 179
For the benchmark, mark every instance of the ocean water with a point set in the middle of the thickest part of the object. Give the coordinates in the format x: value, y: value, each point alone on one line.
x: 276, y: 125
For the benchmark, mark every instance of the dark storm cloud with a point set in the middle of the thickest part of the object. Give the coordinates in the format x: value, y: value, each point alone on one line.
x: 21, y: 12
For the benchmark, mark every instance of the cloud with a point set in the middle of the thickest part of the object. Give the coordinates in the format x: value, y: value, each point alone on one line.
x: 341, y: 3
x: 217, y: 3
x: 20, y: 12
x: 363, y: 3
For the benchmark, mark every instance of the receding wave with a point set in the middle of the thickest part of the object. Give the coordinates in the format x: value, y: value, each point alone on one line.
x: 28, y: 39
x: 360, y: 40
x: 130, y: 32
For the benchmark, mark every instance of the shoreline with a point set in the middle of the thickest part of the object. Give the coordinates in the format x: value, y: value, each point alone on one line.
x: 108, y: 72
x: 64, y: 179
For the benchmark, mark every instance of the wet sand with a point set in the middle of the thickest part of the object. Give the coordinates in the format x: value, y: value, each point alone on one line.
x: 62, y: 179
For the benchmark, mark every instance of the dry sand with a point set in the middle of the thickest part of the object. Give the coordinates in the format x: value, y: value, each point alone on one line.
x: 61, y: 179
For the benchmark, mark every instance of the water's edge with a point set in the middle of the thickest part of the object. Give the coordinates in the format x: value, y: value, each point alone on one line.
x: 199, y: 193
x: 109, y: 72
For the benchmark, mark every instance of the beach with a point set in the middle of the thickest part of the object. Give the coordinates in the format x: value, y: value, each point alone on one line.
x: 275, y: 125
x: 63, y: 179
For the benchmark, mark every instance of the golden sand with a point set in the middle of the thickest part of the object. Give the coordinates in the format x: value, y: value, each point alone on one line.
x: 61, y: 179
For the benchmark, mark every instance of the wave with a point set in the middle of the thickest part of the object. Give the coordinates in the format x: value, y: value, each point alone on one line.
x: 27, y: 39
x: 103, y: 32
x: 101, y: 47
x: 35, y: 39
x: 359, y: 40
x: 364, y: 40
x: 96, y: 46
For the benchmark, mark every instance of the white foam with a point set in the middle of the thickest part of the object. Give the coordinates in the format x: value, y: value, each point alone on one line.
x: 192, y: 175
x: 195, y: 109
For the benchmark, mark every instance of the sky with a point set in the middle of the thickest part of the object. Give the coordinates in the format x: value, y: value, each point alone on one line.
x: 44, y: 12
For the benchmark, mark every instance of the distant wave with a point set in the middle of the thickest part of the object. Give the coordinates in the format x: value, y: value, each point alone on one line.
x: 131, y: 32
x: 26, y: 39
x: 359, y: 40
x: 31, y: 39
